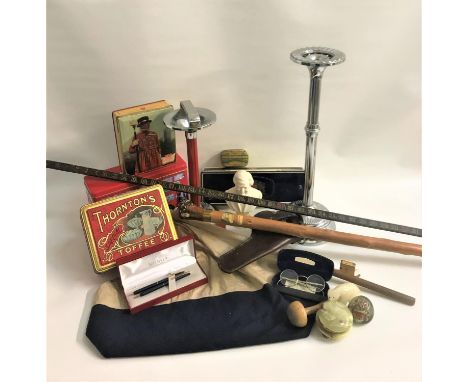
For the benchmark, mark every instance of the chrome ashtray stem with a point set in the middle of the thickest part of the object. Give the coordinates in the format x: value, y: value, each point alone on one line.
x: 312, y: 129
x: 316, y: 59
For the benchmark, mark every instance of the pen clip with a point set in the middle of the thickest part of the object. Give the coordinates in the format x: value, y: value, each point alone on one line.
x: 171, y: 277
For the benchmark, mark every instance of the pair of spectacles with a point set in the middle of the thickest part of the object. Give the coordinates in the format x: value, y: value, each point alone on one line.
x: 312, y: 284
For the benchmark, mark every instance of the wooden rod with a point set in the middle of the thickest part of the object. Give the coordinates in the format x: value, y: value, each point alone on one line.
x: 393, y: 294
x: 313, y: 309
x: 302, y: 231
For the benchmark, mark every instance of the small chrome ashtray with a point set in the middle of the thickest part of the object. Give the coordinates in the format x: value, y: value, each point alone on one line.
x: 317, y: 56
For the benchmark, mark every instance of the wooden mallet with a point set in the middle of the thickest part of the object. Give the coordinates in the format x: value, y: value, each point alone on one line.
x: 298, y: 314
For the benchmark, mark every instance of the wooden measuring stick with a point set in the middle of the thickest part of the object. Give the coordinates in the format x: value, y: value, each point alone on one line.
x: 302, y: 231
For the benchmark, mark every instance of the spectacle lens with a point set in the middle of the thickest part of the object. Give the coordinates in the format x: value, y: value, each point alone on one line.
x: 316, y: 282
x: 288, y: 278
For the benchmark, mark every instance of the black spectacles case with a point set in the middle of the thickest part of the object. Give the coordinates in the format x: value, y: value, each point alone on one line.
x: 305, y: 264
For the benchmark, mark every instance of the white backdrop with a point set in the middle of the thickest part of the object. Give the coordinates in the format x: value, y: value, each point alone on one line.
x: 233, y: 58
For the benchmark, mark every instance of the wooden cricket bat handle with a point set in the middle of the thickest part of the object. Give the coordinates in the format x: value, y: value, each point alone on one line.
x: 304, y: 231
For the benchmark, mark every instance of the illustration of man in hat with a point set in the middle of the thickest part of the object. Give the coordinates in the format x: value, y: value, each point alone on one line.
x: 146, y: 145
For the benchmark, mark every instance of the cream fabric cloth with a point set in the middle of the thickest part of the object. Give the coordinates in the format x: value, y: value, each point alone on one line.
x: 211, y: 242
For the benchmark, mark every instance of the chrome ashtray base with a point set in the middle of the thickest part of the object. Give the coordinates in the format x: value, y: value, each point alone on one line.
x: 315, y: 222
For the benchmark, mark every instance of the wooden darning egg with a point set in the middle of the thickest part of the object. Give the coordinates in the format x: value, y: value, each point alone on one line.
x: 297, y: 315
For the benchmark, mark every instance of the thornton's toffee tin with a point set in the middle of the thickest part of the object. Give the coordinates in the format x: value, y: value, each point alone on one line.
x: 125, y: 224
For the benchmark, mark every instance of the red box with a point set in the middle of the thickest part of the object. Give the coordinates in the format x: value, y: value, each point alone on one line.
x: 158, y: 263
x: 98, y: 189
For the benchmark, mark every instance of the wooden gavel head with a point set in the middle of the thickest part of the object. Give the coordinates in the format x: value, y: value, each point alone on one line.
x: 297, y: 313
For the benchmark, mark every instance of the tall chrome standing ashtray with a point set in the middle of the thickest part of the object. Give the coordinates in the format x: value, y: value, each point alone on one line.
x: 317, y: 59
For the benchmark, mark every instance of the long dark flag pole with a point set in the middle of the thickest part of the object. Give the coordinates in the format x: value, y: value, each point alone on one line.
x: 206, y: 192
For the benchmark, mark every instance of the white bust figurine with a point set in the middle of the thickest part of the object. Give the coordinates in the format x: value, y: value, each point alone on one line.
x: 243, y: 182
